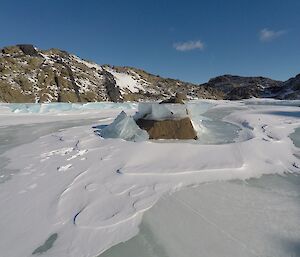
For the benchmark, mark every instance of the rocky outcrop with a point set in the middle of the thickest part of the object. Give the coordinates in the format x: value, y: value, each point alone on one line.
x: 50, y: 76
x: 29, y: 50
x: 168, y: 129
x: 113, y: 91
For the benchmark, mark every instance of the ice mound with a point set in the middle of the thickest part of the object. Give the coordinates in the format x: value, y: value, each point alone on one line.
x: 124, y: 127
x: 165, y: 120
x: 154, y: 111
x: 170, y: 119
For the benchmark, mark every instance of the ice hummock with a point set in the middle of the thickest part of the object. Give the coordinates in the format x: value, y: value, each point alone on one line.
x: 124, y: 127
x: 155, y: 111
x: 210, y: 128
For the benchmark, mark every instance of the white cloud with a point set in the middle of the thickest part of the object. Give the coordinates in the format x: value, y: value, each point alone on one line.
x: 189, y: 45
x: 266, y: 35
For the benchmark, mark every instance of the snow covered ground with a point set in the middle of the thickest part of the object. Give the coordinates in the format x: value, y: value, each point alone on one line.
x: 68, y: 192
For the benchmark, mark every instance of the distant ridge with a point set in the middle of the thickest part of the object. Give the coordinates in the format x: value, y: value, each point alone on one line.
x: 30, y: 75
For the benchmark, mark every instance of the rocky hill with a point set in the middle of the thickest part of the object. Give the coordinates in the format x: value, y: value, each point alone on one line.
x: 28, y: 74
x: 290, y: 89
x: 237, y: 87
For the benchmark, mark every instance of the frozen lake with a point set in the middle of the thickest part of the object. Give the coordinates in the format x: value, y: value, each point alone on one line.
x: 187, y: 212
x: 256, y: 217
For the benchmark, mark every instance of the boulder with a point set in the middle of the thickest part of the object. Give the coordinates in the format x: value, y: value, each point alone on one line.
x: 168, y: 129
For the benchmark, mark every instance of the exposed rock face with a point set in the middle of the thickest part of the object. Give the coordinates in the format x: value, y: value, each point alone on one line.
x: 28, y: 74
x: 112, y: 89
x: 168, y: 129
x: 31, y: 75
x: 28, y: 50
x: 49, y: 76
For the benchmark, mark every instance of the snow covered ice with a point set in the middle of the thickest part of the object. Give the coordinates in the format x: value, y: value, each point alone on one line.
x: 72, y: 193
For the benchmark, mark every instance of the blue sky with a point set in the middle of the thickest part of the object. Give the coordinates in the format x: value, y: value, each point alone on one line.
x: 188, y: 40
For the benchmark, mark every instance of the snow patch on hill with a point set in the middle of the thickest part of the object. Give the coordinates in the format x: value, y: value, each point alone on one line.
x: 126, y: 81
x: 88, y: 64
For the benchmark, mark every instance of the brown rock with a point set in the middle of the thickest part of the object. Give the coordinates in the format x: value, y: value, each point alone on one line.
x: 168, y: 129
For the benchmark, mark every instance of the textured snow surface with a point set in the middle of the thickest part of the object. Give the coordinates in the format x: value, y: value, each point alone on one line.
x: 74, y: 194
